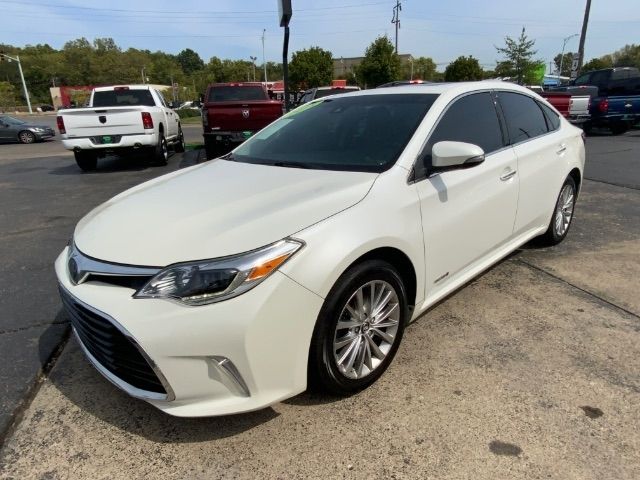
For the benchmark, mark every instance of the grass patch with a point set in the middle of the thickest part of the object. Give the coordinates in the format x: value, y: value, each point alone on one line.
x: 191, y: 121
x: 194, y: 146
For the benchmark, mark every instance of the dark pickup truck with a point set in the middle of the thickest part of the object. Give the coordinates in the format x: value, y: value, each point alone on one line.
x: 232, y: 112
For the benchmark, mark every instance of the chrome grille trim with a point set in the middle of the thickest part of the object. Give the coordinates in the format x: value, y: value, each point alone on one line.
x: 81, y: 266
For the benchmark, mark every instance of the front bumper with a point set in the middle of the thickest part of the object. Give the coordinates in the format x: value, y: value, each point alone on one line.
x: 44, y: 135
x: 123, y: 141
x: 261, y: 337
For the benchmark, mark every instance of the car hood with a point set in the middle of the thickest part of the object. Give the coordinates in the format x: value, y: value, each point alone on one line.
x: 213, y: 210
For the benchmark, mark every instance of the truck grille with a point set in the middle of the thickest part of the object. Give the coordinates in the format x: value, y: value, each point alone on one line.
x: 110, y: 347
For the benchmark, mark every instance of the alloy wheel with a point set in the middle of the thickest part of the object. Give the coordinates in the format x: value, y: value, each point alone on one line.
x: 564, y: 210
x: 367, y: 329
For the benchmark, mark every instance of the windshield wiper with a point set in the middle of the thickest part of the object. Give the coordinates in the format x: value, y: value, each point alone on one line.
x: 290, y: 164
x: 229, y: 156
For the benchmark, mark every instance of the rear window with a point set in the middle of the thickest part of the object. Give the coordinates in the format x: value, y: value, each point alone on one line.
x: 235, y: 94
x: 333, y: 91
x: 123, y: 98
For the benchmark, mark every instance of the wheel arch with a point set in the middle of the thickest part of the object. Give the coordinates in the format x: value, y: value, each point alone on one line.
x: 577, y: 177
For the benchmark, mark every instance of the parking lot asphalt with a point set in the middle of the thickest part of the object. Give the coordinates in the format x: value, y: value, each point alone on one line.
x: 530, y: 371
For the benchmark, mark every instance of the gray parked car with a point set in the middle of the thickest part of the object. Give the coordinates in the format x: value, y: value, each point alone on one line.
x: 15, y: 130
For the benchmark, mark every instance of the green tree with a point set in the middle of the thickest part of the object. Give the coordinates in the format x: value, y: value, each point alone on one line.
x: 190, y: 61
x: 463, y: 69
x: 311, y: 68
x: 381, y: 64
x: 424, y: 68
x: 519, y: 55
x: 7, y: 96
x: 566, y: 63
x: 627, y: 56
x: 596, y: 64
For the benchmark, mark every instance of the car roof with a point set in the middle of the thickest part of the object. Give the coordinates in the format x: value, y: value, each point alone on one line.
x: 439, y: 88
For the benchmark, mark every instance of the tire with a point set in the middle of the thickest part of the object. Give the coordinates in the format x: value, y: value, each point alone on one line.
x: 87, y: 161
x: 560, y: 223
x: 587, y: 128
x: 179, y: 146
x: 26, y: 136
x: 160, y: 153
x: 210, y: 148
x: 619, y: 128
x: 329, y: 358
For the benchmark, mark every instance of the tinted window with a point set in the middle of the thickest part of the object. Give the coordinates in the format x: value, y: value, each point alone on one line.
x: 553, y: 119
x: 122, y: 98
x: 236, y: 94
x: 361, y: 133
x: 471, y: 119
x: 620, y: 74
x: 524, y: 118
x: 582, y: 79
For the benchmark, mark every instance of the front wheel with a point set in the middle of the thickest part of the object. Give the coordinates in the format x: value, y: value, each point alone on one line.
x: 619, y: 128
x: 359, y: 329
x: 562, y: 214
x: 26, y: 137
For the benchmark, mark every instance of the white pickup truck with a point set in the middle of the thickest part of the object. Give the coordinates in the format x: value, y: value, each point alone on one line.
x: 121, y: 119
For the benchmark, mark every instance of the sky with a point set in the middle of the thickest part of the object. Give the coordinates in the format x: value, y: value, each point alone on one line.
x: 442, y: 30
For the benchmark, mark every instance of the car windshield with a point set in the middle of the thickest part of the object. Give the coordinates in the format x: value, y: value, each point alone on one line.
x: 123, y: 98
x: 358, y: 133
x: 10, y: 120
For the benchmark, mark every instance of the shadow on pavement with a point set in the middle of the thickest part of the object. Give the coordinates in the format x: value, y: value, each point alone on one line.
x: 82, y: 385
x: 109, y: 164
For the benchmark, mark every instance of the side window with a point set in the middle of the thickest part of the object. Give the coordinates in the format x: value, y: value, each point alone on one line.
x: 583, y: 79
x: 161, y: 98
x: 553, y: 120
x: 524, y: 118
x: 470, y: 119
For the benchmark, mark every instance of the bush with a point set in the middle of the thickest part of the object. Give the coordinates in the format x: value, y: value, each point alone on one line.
x: 188, y: 113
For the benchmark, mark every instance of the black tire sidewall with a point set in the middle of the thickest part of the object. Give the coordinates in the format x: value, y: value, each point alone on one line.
x: 324, y: 374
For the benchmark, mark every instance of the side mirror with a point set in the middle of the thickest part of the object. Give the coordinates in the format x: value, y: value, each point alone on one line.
x: 455, y: 155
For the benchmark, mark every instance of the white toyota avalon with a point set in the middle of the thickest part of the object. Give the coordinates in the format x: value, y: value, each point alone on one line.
x: 298, y: 259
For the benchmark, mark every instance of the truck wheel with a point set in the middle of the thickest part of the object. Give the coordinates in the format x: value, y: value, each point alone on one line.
x: 210, y: 148
x: 619, y: 128
x: 179, y: 145
x: 87, y: 161
x: 587, y: 128
x: 160, y: 153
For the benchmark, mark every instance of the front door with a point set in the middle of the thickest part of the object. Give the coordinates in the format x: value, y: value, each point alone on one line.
x: 467, y: 213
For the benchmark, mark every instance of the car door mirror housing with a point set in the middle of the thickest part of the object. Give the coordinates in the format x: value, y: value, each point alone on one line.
x: 455, y: 155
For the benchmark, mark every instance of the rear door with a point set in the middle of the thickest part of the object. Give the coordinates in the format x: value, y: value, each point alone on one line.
x: 538, y: 141
x: 171, y: 118
x: 467, y: 213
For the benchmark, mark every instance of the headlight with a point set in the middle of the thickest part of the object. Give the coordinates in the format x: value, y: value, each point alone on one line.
x: 37, y: 129
x: 209, y: 281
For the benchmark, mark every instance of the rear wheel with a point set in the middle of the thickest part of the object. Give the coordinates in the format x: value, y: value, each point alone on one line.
x: 619, y: 128
x: 87, y: 161
x: 562, y: 214
x: 359, y: 329
x: 26, y: 137
x: 210, y: 147
x: 179, y: 146
x: 160, y: 153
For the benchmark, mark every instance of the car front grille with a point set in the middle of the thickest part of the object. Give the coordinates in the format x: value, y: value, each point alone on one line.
x: 111, y: 348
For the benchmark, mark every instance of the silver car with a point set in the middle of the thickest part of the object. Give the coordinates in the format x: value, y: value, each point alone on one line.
x: 15, y: 130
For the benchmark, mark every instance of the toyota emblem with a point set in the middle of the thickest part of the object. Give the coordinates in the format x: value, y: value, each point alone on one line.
x: 245, y: 113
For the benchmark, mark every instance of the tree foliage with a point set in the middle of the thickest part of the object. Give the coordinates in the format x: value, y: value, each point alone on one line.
x: 190, y: 61
x: 311, y: 68
x: 381, y: 64
x: 7, y: 96
x: 566, y: 63
x: 424, y: 68
x: 518, y: 56
x: 463, y: 69
x: 596, y: 64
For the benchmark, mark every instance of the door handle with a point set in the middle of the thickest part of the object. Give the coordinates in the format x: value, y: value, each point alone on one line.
x: 507, y: 175
x: 563, y: 147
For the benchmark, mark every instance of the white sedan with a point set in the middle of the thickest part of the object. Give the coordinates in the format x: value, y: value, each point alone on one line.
x: 298, y: 259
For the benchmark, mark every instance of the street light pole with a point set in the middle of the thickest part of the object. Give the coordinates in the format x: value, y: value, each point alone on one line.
x: 264, y: 63
x: 564, y: 44
x: 24, y: 84
x: 253, y: 60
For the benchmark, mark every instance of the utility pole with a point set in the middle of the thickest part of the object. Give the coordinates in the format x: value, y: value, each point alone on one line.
x: 24, y: 84
x: 142, y: 74
x: 583, y: 34
x: 396, y: 20
x: 264, y: 63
